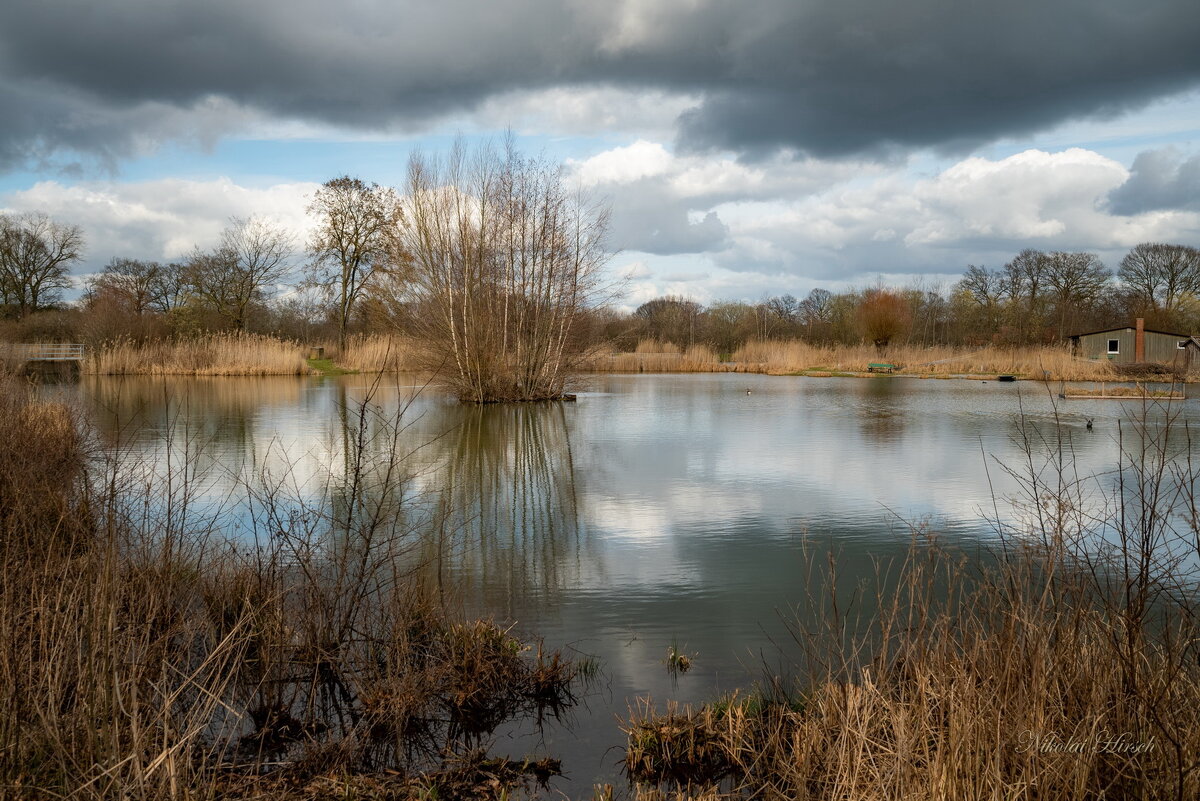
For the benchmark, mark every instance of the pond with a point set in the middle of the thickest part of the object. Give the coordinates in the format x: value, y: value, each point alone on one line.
x: 655, y: 512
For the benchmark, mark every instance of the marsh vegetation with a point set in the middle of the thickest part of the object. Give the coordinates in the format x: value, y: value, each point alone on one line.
x: 317, y: 618
x: 147, y: 655
x: 1063, y: 666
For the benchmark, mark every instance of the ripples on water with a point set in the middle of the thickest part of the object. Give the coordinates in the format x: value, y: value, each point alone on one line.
x: 656, y: 510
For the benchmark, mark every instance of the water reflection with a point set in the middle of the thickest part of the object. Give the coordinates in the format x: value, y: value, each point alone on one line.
x: 509, y: 517
x: 656, y: 510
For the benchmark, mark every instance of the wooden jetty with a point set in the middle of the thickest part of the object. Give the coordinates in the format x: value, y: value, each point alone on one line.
x: 43, y: 358
x: 46, y: 352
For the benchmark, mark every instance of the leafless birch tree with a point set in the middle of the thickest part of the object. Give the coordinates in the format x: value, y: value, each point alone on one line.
x: 504, y: 261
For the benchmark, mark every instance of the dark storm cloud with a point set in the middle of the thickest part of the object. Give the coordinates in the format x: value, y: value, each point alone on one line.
x: 828, y: 77
x: 1159, y: 179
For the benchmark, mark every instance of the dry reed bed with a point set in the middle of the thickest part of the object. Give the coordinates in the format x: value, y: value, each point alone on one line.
x: 209, y: 355
x: 143, y: 660
x: 659, y: 357
x: 379, y: 353
x: 796, y: 356
x: 1012, y: 700
x: 1028, y: 362
x: 245, y: 355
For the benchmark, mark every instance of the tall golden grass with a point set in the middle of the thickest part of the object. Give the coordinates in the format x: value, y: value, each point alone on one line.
x: 658, y: 357
x: 1030, y: 362
x: 378, y: 353
x: 793, y: 356
x: 1010, y: 695
x: 212, y: 354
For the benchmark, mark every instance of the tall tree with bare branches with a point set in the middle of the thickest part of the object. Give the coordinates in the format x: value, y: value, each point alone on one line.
x: 505, y: 261
x: 35, y: 253
x: 253, y: 254
x: 354, y: 242
x: 1074, y: 281
x: 130, y: 282
x: 1160, y: 275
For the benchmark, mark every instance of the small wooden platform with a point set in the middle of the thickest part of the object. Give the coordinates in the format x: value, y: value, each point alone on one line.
x: 45, y: 352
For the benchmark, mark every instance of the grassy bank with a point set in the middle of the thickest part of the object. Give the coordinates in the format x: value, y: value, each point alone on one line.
x: 247, y: 355
x: 1060, y: 669
x: 259, y: 355
x: 795, y: 356
x: 144, y: 656
x: 210, y: 355
x: 1056, y: 361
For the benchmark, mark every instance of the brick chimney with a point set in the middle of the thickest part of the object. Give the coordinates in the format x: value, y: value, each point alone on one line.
x: 1139, y: 341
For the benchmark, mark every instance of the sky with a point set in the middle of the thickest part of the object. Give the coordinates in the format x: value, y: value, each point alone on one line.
x: 746, y: 149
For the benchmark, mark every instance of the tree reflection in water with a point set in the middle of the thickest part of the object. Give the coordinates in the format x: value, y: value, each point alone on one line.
x: 508, y: 516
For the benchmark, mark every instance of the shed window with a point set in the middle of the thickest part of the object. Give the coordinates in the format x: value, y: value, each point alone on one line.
x: 1114, y: 346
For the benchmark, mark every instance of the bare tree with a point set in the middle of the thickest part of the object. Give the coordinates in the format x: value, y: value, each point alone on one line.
x: 816, y: 313
x: 986, y: 290
x: 1160, y: 275
x: 782, y: 314
x: 35, y: 253
x: 670, y: 319
x: 355, y: 240
x: 505, y: 262
x: 168, y: 289
x: 1074, y: 280
x: 253, y: 254
x: 728, y: 324
x: 785, y: 307
x: 130, y: 282
x: 1025, y: 280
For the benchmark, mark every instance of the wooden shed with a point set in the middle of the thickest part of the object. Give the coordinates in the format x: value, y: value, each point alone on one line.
x: 1134, y: 344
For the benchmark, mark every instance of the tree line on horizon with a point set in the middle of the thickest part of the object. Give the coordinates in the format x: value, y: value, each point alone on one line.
x: 358, y: 276
x: 1037, y: 298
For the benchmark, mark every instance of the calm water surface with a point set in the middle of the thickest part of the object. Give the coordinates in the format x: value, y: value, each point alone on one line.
x: 656, y: 511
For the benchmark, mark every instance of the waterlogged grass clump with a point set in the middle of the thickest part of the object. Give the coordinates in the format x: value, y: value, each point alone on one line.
x: 703, y: 747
